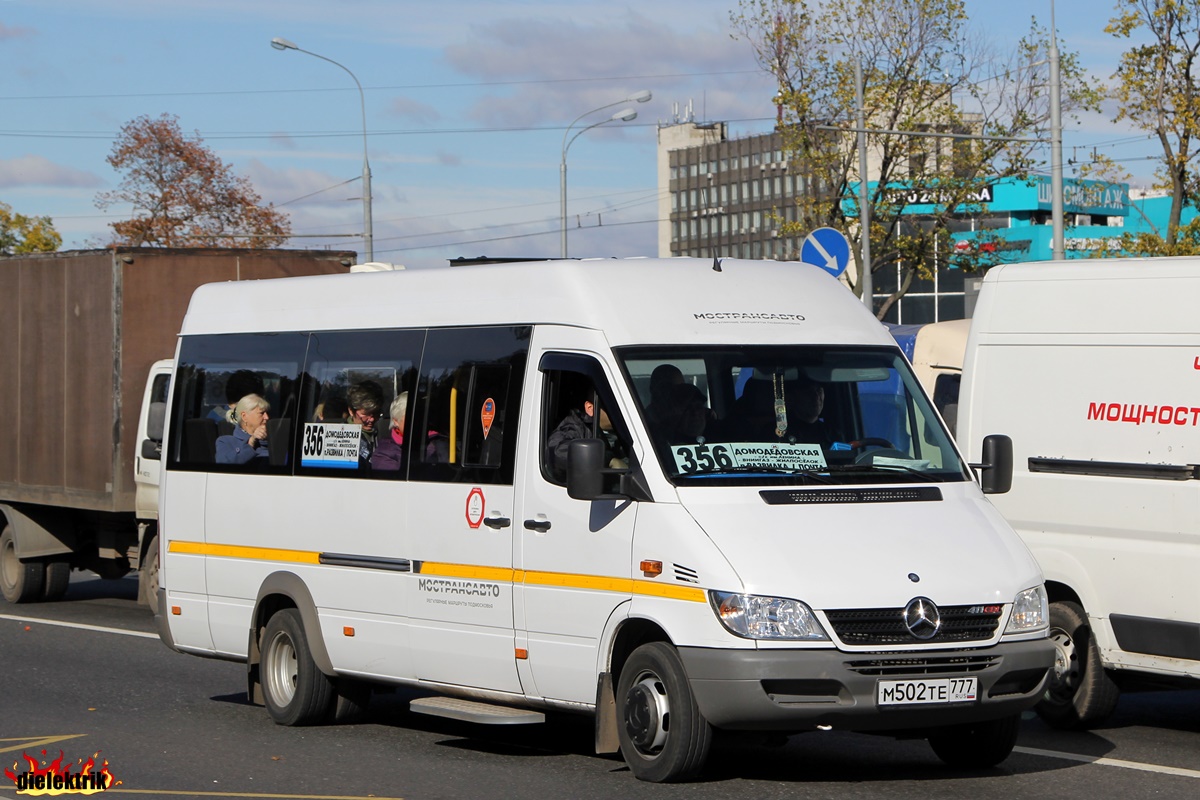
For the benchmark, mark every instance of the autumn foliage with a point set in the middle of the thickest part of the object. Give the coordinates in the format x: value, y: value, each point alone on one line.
x: 21, y: 234
x: 183, y: 195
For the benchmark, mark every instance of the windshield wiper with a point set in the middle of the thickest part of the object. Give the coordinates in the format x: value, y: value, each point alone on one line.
x: 814, y: 475
x: 848, y: 468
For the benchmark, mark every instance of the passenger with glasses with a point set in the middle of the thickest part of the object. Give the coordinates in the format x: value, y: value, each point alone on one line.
x: 365, y: 400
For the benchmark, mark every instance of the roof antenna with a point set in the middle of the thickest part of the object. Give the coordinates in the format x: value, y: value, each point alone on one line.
x: 716, y: 264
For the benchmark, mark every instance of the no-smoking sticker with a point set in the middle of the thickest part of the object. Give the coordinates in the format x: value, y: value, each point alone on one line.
x: 475, y: 505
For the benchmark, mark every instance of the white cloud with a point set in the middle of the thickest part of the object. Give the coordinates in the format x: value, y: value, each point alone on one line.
x: 31, y: 170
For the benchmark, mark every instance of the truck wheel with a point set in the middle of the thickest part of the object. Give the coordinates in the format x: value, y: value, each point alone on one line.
x: 977, y: 745
x: 1079, y: 692
x: 148, y: 577
x: 20, y: 581
x: 58, y: 578
x: 664, y: 737
x: 295, y: 690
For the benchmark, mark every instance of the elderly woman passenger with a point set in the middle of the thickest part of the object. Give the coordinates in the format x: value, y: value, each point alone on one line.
x: 249, y: 438
x: 389, y: 451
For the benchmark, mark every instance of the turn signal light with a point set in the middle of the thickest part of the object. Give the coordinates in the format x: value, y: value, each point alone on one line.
x: 651, y: 568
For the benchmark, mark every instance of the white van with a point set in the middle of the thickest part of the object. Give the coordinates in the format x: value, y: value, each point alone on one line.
x: 730, y: 543
x: 1093, y: 369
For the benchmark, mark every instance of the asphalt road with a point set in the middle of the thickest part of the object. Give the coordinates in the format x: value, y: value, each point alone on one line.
x: 87, y: 676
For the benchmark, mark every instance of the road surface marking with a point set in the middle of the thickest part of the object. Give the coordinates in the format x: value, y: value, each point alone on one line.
x: 1110, y: 762
x: 99, y: 628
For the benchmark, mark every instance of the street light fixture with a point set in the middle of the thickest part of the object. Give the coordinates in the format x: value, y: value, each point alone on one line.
x: 280, y: 43
x: 624, y: 115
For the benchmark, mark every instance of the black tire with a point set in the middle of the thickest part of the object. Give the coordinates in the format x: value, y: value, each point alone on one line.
x: 295, y: 690
x: 664, y: 737
x: 58, y: 578
x: 148, y: 577
x: 20, y: 581
x: 1079, y: 693
x: 351, y: 701
x: 977, y: 745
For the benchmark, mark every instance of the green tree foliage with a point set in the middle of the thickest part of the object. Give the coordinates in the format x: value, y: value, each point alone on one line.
x: 20, y: 234
x: 183, y: 195
x: 922, y: 73
x: 1156, y: 91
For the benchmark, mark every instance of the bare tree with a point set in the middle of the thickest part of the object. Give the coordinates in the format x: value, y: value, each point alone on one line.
x: 183, y: 195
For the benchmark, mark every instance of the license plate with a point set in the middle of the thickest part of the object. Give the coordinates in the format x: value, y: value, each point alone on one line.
x: 937, y: 690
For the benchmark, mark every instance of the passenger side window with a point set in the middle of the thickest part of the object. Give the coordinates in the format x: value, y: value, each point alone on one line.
x: 218, y: 378
x: 355, y: 410
x: 467, y: 404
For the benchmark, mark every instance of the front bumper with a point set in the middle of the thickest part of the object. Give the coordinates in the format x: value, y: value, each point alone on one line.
x: 796, y: 690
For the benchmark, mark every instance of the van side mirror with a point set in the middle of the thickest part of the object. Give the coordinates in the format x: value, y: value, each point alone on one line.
x: 587, y: 470
x: 996, y: 471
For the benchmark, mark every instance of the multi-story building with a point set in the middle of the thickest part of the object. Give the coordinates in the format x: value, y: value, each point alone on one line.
x: 727, y: 197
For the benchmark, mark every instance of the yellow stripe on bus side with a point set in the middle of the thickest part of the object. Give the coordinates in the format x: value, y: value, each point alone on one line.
x: 241, y: 551
x: 565, y: 580
x: 466, y: 571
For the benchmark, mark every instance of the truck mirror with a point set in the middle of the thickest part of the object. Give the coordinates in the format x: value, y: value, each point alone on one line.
x: 156, y: 418
x: 997, y: 467
x: 151, y: 450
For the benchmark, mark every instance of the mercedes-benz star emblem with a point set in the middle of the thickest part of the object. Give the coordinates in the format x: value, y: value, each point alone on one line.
x: 922, y: 618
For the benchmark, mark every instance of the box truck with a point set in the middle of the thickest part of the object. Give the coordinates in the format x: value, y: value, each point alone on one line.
x: 1092, y: 368
x: 645, y: 490
x: 84, y: 333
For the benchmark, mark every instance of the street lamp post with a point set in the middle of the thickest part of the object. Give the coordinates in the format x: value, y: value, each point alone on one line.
x: 624, y: 115
x: 280, y: 43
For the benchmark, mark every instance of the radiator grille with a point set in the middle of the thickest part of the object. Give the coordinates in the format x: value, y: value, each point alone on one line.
x: 885, y: 626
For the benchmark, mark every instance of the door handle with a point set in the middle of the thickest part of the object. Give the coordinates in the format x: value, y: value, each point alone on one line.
x: 539, y: 525
x: 497, y: 522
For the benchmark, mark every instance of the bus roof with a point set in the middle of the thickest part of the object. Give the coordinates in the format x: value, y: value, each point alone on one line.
x: 633, y: 301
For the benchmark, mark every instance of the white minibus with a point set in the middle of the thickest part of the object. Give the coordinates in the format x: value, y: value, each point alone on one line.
x: 653, y: 491
x: 1092, y: 368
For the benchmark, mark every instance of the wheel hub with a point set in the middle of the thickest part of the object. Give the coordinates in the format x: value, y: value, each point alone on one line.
x: 647, y: 714
x: 1065, y: 673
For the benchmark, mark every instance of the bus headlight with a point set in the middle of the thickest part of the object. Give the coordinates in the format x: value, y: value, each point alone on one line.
x: 1030, y: 612
x: 756, y: 617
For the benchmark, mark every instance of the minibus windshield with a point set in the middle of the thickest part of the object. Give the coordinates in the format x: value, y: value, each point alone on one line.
x: 789, y: 414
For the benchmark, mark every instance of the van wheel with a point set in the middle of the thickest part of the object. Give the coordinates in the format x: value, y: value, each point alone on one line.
x: 20, y: 581
x: 664, y: 737
x: 977, y: 745
x: 295, y: 690
x: 1079, y: 692
x: 58, y: 578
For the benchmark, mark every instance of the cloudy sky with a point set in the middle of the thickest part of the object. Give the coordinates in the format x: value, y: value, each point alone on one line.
x: 466, y: 108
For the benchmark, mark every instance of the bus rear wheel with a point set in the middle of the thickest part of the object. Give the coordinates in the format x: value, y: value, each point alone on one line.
x: 295, y: 690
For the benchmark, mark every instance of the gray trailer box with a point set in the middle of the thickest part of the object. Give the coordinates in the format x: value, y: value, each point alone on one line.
x: 81, y: 330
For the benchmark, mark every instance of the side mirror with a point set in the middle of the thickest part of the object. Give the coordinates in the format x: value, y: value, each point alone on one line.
x: 156, y: 419
x: 151, y: 450
x: 997, y: 467
x: 587, y: 469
